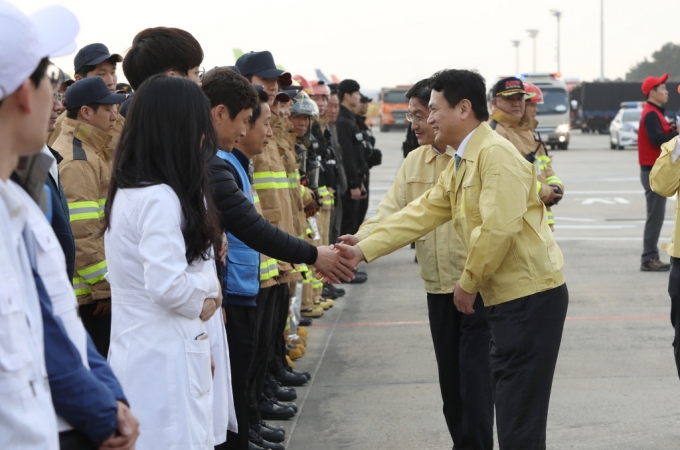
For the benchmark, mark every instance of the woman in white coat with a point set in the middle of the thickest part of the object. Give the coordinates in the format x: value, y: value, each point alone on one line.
x: 160, y: 235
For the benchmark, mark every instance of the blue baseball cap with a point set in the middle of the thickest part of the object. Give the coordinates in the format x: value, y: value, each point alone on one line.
x: 94, y: 54
x: 262, y: 65
x: 91, y: 90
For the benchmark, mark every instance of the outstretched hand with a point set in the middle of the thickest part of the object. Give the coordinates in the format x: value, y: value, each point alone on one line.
x: 351, y: 253
x: 348, y: 239
x: 332, y: 267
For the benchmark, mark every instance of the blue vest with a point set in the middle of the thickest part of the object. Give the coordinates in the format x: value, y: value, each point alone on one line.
x: 242, y: 272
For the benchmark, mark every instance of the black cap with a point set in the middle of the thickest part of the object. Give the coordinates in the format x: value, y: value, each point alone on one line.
x: 126, y: 88
x: 365, y: 99
x: 94, y: 54
x: 262, y: 65
x: 91, y: 90
x: 348, y: 86
x: 508, y: 86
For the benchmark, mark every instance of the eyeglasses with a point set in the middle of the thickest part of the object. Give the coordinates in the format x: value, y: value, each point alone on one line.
x: 414, y: 119
x: 58, y: 97
x: 201, y: 73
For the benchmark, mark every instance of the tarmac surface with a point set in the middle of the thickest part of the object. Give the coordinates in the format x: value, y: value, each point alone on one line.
x: 375, y: 383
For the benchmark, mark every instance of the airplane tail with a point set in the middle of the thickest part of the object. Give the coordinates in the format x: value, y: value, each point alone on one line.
x: 321, y: 76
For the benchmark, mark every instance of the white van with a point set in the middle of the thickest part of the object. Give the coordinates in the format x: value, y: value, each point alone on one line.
x: 553, y: 114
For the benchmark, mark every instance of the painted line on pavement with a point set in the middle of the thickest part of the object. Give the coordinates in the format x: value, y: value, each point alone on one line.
x: 426, y: 322
x: 574, y: 238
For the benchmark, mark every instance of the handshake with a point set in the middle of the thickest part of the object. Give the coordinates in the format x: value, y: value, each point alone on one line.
x: 337, y: 262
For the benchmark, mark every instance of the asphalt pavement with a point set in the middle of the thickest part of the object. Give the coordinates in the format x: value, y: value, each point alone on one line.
x: 375, y: 384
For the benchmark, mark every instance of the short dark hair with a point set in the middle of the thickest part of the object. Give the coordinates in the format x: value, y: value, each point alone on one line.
x: 37, y: 75
x: 159, y: 50
x: 262, y: 97
x: 225, y: 87
x: 73, y: 113
x: 420, y: 91
x: 87, y: 69
x: 168, y: 116
x: 459, y: 85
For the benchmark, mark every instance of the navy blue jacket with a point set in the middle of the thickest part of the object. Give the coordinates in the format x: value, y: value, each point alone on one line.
x: 86, y: 399
x: 61, y: 220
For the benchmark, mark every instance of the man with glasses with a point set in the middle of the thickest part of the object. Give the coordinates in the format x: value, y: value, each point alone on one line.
x: 510, y: 120
x: 460, y: 341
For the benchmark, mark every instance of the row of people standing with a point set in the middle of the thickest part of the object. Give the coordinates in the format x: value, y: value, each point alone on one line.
x: 161, y: 176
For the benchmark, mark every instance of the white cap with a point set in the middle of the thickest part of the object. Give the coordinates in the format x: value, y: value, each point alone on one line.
x: 25, y: 40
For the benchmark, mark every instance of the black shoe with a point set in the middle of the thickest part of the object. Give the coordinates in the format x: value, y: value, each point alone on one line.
x: 252, y: 446
x: 272, y: 427
x: 271, y: 411
x: 339, y: 291
x: 305, y: 322
x: 274, y: 389
x: 258, y: 440
x: 267, y: 434
x: 298, y: 372
x: 654, y: 265
x: 289, y: 379
x: 327, y: 292
x: 290, y: 405
x: 358, y: 278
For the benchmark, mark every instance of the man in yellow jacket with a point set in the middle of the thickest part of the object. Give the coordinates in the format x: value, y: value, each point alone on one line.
x: 510, y: 120
x: 85, y: 173
x: 664, y: 179
x: 513, y: 262
x: 461, y: 341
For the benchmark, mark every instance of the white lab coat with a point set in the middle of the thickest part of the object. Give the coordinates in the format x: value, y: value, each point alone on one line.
x: 27, y: 418
x: 156, y: 302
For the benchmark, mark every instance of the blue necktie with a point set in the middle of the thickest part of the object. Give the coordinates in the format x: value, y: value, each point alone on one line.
x: 458, y: 159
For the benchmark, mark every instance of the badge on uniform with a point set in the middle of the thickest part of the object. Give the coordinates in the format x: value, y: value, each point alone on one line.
x: 359, y: 136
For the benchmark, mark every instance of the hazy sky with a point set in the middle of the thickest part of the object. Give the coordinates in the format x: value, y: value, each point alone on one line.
x: 387, y: 42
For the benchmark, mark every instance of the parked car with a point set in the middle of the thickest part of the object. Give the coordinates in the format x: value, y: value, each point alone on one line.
x: 623, y: 131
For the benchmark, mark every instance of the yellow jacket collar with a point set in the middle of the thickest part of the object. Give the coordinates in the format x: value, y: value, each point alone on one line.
x: 431, y: 153
x: 505, y: 119
x: 88, y: 134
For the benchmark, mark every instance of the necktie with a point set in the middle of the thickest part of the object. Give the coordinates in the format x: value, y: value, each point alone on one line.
x: 458, y: 158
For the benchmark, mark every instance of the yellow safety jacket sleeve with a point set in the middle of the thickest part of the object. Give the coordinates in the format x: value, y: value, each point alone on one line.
x: 394, y: 201
x: 415, y: 220
x: 86, y: 208
x: 664, y: 179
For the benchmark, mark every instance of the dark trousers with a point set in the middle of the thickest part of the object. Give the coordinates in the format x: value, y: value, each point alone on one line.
x: 656, y: 211
x: 525, y: 340
x: 363, y: 203
x: 277, y: 361
x: 350, y: 214
x: 336, y: 220
x: 240, y: 326
x: 75, y: 440
x: 99, y: 327
x: 674, y: 292
x: 263, y: 333
x: 461, y: 345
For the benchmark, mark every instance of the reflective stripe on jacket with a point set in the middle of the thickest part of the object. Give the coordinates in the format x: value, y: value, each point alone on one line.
x: 84, y: 173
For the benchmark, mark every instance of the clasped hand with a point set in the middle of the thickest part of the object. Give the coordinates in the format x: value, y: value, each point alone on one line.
x: 331, y: 266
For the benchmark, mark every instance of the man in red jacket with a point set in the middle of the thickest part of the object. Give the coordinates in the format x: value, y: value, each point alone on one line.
x: 654, y: 131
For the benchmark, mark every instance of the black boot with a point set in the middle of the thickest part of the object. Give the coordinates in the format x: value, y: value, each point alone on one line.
x: 290, y: 405
x: 269, y: 435
x: 258, y: 440
x: 272, y: 427
x: 289, y: 379
x: 297, y: 372
x: 274, y: 389
x: 271, y: 411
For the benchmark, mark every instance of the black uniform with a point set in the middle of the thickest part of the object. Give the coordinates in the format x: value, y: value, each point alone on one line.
x: 350, y: 139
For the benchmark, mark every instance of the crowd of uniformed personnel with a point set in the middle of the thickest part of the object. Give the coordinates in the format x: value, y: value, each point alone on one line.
x: 289, y: 176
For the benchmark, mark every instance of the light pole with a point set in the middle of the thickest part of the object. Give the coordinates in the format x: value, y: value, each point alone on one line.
x: 532, y: 35
x: 516, y: 45
x: 557, y: 14
x: 601, y: 40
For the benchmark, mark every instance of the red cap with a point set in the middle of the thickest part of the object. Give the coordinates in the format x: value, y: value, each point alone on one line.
x: 652, y: 82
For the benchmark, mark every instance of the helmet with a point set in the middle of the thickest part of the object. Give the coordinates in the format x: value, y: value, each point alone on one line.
x: 319, y: 88
x: 535, y: 95
x: 305, y: 105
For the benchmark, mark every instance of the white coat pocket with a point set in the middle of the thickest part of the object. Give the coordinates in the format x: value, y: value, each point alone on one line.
x: 198, y: 366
